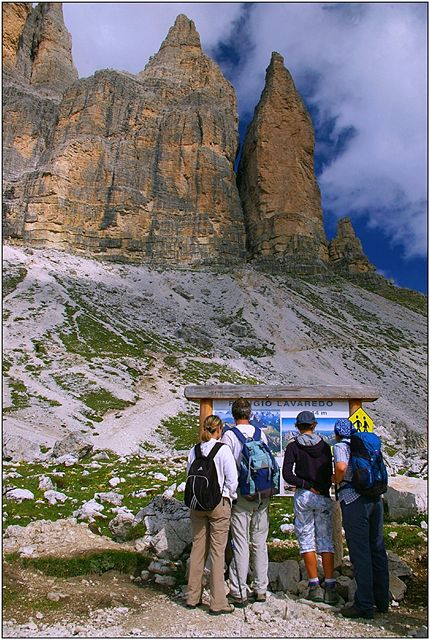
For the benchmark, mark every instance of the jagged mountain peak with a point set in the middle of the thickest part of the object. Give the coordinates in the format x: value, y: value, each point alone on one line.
x: 346, y: 251
x: 279, y: 79
x: 38, y: 46
x: 276, y: 63
x: 182, y: 34
x: 276, y: 179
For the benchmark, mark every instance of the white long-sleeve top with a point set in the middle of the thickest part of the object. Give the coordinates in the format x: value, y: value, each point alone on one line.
x: 233, y: 442
x: 225, y: 466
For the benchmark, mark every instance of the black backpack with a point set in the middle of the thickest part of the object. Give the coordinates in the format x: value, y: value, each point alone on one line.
x: 202, y: 490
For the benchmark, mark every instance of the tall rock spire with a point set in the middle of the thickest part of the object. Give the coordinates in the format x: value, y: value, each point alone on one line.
x: 53, y: 66
x: 182, y: 34
x: 14, y: 17
x: 38, y: 46
x: 276, y: 178
x: 181, y: 65
x: 38, y: 68
x: 346, y: 251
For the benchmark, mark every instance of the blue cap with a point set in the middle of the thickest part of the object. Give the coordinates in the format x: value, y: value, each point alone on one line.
x: 344, y: 428
x: 305, y: 417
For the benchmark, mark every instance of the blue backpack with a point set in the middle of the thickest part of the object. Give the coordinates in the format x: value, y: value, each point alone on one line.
x: 369, y: 474
x: 259, y: 471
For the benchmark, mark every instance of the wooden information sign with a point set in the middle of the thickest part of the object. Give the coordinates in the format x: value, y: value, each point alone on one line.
x: 274, y: 408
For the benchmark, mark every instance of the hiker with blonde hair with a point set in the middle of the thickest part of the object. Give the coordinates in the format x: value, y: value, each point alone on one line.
x: 210, y: 490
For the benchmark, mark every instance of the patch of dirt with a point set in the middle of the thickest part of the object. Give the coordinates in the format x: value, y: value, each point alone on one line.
x: 79, y: 595
x: 112, y: 605
x: 412, y: 612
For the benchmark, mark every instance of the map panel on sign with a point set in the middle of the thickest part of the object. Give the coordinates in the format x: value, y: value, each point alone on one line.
x: 276, y: 418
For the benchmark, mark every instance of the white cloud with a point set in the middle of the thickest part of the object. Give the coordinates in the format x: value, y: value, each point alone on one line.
x: 367, y: 62
x: 122, y: 35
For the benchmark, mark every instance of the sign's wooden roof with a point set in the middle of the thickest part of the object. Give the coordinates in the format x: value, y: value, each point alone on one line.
x: 282, y: 392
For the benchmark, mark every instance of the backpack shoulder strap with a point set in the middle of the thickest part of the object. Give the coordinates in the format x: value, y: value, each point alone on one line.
x: 239, y: 435
x: 257, y: 434
x: 212, y: 453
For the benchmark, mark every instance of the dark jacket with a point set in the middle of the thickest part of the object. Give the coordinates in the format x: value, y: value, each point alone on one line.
x: 308, y: 467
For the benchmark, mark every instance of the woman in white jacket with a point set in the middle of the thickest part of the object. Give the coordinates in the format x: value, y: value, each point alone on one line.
x: 210, y: 528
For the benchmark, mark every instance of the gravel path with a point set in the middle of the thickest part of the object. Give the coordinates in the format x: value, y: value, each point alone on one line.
x: 162, y: 616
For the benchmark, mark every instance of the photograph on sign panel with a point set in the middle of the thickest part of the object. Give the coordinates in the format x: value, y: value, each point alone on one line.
x: 324, y: 428
x: 267, y: 421
x: 325, y: 416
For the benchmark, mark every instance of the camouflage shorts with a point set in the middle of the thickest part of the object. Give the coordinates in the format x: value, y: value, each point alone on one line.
x: 313, y: 521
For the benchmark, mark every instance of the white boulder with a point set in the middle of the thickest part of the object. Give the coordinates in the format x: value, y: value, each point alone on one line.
x: 284, y: 576
x: 18, y: 495
x: 68, y: 460
x: 406, y: 496
x: 110, y: 496
x: 45, y: 483
x: 122, y: 523
x: 74, y: 444
x: 89, y: 511
x: 160, y: 476
x: 54, y: 496
x: 101, y: 455
x: 287, y: 528
x: 168, y: 526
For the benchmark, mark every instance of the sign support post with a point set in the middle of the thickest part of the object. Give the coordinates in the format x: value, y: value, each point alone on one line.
x: 354, y: 404
x: 206, y: 408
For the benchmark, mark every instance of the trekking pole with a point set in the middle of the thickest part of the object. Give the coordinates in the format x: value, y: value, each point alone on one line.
x: 238, y: 579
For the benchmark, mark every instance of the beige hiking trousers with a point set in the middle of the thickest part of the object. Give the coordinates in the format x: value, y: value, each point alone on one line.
x: 210, y: 533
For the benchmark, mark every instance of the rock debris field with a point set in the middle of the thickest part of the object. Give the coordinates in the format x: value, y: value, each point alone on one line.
x: 116, y: 604
x: 95, y: 349
x: 155, y: 614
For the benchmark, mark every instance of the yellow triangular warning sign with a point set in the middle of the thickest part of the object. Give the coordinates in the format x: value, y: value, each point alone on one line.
x: 361, y: 421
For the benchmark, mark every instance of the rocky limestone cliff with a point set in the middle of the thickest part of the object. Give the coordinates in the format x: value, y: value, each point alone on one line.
x: 346, y: 251
x: 37, y: 69
x: 14, y: 17
x: 37, y: 48
x: 44, y: 52
x: 140, y: 167
x: 276, y: 178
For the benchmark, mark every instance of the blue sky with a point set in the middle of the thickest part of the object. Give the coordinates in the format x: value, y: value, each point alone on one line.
x: 362, y: 71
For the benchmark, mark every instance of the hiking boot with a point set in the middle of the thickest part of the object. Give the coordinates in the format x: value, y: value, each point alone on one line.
x: 315, y: 593
x: 238, y: 602
x: 260, y: 597
x: 217, y: 612
x: 382, y: 609
x: 331, y: 596
x: 353, y: 612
